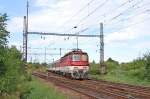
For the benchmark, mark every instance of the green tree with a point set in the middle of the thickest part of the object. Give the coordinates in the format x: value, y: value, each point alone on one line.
x: 147, y: 67
x: 3, y: 32
x: 3, y: 40
x: 11, y: 66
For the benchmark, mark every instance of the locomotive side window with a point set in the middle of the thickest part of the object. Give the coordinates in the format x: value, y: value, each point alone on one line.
x: 75, y: 57
x: 84, y: 58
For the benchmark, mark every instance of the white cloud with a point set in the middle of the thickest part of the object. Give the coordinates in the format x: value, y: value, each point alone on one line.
x: 15, y: 24
x: 120, y: 36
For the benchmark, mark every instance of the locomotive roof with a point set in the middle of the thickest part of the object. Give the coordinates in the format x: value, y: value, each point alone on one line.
x: 75, y: 52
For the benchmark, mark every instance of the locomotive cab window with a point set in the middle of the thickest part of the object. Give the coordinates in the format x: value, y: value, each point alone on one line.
x: 75, y: 57
x: 84, y: 58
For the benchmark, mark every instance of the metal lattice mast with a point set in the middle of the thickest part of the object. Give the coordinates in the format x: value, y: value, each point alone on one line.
x: 101, y: 44
x: 102, y: 65
x: 24, y: 40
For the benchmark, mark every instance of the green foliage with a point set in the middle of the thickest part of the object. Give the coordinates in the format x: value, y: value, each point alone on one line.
x: 39, y: 90
x: 3, y: 40
x: 13, y: 74
x: 35, y: 65
x: 94, y: 68
x: 134, y: 72
x: 2, y: 68
x: 135, y: 64
x: 147, y: 66
x: 3, y: 32
x: 11, y: 66
x: 111, y: 64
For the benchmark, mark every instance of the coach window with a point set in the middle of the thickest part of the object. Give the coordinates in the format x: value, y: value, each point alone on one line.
x: 76, y: 58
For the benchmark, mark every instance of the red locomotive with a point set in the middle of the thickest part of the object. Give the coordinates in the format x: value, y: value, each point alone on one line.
x: 74, y: 64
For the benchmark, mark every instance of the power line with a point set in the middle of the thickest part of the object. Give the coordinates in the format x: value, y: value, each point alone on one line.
x: 137, y: 23
x: 112, y: 11
x: 43, y: 54
x: 79, y: 11
x: 115, y: 9
x: 123, y: 12
x: 49, y: 48
x: 90, y: 13
x: 98, y: 7
x: 135, y: 15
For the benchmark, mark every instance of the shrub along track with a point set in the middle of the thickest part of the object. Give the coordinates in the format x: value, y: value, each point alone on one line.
x: 98, y: 89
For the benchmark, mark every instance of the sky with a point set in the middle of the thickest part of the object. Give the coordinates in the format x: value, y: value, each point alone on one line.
x: 126, y: 27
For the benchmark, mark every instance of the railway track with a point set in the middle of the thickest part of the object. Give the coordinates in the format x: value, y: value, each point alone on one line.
x: 99, y: 89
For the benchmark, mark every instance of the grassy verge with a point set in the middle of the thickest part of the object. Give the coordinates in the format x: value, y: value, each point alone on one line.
x: 122, y: 78
x: 39, y: 90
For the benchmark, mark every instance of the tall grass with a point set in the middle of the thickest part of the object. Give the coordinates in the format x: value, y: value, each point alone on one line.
x: 39, y: 90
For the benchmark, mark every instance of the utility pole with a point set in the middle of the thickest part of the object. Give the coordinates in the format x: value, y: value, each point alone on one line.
x: 102, y: 65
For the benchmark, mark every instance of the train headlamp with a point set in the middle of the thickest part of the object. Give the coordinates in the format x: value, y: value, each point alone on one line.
x: 75, y: 68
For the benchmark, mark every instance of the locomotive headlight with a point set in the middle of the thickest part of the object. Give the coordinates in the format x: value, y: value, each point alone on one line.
x: 66, y: 68
x: 75, y: 68
x: 84, y: 67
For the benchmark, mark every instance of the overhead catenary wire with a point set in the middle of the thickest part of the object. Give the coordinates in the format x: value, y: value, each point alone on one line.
x: 93, y: 11
x: 105, y: 14
x: 76, y: 14
x: 121, y: 13
x: 133, y: 6
x: 133, y: 24
x: 88, y: 15
x: 98, y: 7
x: 137, y: 14
x: 132, y: 16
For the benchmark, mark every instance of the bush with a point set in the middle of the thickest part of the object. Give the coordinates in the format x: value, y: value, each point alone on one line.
x: 14, y: 72
x: 94, y: 68
x: 147, y: 66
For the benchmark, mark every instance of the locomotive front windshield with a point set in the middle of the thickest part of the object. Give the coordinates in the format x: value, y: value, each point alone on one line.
x: 75, y: 57
x: 84, y: 58
x: 79, y: 57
